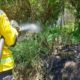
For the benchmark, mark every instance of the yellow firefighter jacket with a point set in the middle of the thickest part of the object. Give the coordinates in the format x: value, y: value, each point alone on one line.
x: 9, y: 34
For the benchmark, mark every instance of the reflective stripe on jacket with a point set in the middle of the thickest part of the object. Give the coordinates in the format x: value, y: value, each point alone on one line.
x: 7, y: 61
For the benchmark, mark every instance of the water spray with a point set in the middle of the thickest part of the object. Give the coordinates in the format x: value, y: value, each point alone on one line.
x: 31, y: 27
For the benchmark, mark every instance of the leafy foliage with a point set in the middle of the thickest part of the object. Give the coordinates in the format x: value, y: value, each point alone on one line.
x: 41, y: 43
x: 32, y: 10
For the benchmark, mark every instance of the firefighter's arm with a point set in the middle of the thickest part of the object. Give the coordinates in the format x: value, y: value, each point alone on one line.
x: 7, y: 31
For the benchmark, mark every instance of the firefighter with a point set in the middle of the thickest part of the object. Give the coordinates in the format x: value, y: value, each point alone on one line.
x: 8, y: 35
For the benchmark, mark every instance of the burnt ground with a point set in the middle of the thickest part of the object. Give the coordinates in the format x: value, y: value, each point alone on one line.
x: 65, y: 65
